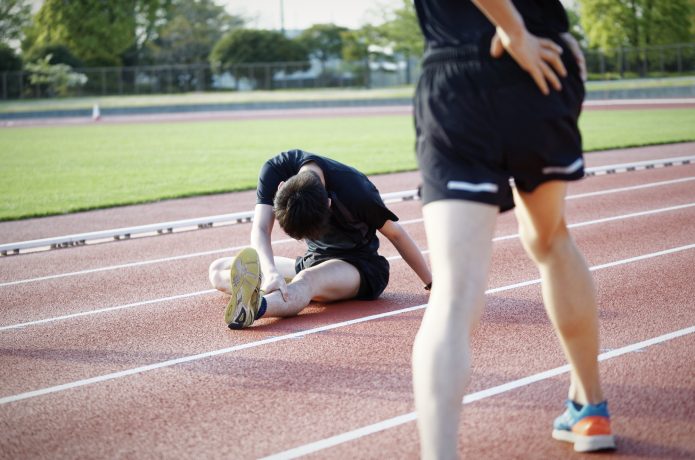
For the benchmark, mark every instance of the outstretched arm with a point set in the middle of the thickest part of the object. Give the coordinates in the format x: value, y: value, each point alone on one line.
x: 540, y: 57
x: 263, y: 220
x: 407, y: 249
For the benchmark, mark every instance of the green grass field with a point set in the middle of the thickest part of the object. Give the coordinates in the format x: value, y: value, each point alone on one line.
x: 54, y: 170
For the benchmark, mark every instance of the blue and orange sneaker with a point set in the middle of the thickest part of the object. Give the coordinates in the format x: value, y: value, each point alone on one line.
x: 587, y: 427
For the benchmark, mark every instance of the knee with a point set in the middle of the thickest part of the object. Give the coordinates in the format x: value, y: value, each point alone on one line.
x: 216, y: 273
x: 300, y: 289
x: 541, y: 245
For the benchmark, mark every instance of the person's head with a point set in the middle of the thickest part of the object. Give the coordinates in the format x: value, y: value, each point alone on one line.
x: 302, y: 206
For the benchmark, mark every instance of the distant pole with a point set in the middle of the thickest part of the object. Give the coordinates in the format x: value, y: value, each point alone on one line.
x: 282, y: 16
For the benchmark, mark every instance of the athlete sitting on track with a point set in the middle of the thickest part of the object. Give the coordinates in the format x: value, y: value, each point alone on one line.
x: 337, y: 210
x: 484, y: 113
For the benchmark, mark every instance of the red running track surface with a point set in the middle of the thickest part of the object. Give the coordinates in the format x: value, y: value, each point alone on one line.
x: 120, y: 349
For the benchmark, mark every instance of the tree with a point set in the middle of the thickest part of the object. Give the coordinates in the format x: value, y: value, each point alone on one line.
x: 250, y: 46
x: 366, y: 47
x: 59, y: 54
x: 55, y: 79
x: 99, y: 32
x: 190, y: 32
x: 616, y: 23
x: 402, y: 30
x: 575, y: 26
x: 323, y: 42
x: 356, y: 43
x: 15, y: 15
x: 9, y: 61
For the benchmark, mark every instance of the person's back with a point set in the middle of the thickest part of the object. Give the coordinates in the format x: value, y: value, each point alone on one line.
x: 356, y: 209
x: 453, y: 23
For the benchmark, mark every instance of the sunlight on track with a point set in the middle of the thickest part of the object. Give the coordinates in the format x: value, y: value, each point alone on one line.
x: 185, y: 359
x: 470, y: 398
x: 392, y: 258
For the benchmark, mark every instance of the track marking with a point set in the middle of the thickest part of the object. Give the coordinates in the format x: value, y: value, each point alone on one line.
x: 619, y: 102
x: 630, y: 188
x: 391, y: 258
x: 106, y: 309
x: 468, y: 399
x: 295, y: 335
x: 136, y: 264
x: 288, y: 240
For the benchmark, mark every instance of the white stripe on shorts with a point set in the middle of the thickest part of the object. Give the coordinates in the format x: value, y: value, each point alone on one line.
x: 574, y: 167
x: 469, y: 187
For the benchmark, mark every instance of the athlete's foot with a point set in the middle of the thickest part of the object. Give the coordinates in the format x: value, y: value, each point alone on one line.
x: 587, y: 427
x: 245, y: 287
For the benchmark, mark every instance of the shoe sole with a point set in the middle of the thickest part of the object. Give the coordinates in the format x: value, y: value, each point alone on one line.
x: 245, y: 275
x: 585, y: 443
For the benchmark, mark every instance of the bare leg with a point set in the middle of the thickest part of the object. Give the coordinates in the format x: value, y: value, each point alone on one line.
x: 219, y: 271
x: 330, y: 281
x: 459, y: 235
x: 568, y: 290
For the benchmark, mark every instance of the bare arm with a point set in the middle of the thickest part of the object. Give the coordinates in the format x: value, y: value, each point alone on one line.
x: 407, y: 249
x: 263, y: 220
x: 540, y: 57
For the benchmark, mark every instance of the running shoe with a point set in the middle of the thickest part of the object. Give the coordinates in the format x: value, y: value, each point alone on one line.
x: 587, y: 427
x: 246, y: 290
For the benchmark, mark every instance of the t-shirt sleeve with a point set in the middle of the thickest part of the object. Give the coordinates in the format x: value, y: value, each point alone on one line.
x: 373, y: 210
x: 268, y: 181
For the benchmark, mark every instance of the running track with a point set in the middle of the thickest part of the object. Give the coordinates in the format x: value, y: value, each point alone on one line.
x: 135, y: 361
x: 356, y: 111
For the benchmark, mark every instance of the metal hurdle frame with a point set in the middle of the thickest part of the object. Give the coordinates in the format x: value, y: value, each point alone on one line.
x: 125, y: 233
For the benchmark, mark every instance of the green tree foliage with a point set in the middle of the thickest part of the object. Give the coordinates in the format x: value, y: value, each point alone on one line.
x: 576, y: 28
x: 402, y: 30
x: 247, y: 46
x: 190, y: 31
x: 54, y: 79
x: 9, y: 61
x: 614, y: 23
x: 323, y: 41
x: 356, y: 42
x: 15, y: 15
x: 99, y: 32
x: 59, y: 54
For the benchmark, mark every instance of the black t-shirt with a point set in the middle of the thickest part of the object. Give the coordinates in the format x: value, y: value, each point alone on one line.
x: 452, y: 23
x: 357, y: 210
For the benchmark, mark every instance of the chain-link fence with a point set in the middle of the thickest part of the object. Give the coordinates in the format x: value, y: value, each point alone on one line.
x: 655, y: 61
x: 649, y: 61
x: 114, y: 81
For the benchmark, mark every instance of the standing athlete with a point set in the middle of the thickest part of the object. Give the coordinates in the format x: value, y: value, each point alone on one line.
x: 337, y: 211
x: 499, y: 98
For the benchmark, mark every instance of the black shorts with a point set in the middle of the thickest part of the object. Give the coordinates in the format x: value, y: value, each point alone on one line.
x: 373, y: 269
x: 481, y: 121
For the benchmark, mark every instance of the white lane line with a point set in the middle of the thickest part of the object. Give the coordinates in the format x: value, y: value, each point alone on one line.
x: 328, y: 327
x: 469, y: 398
x: 288, y: 240
x: 610, y: 219
x: 610, y: 102
x: 105, y: 310
x: 631, y: 188
x: 137, y: 264
x: 391, y: 258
